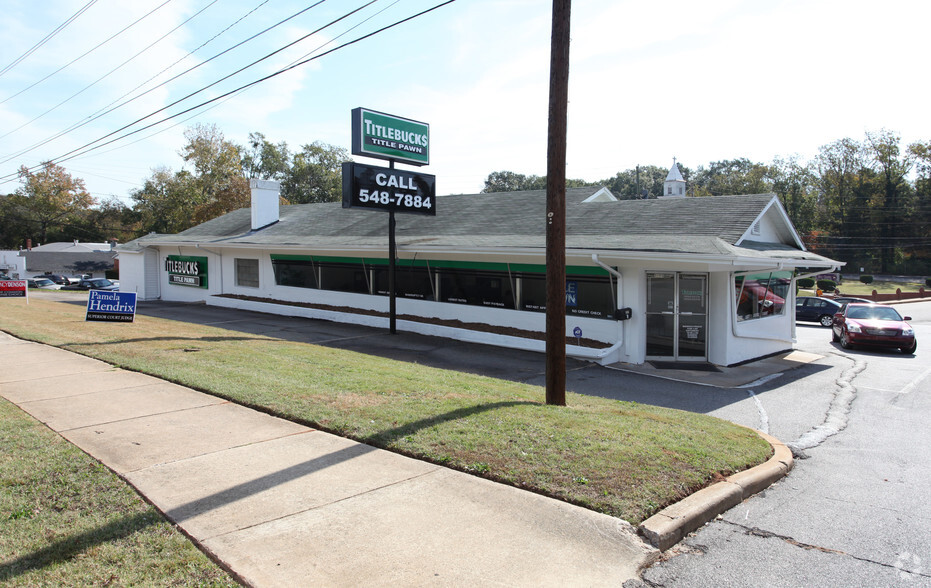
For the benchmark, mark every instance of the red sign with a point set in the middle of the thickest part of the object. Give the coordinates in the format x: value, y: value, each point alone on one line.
x: 13, y: 289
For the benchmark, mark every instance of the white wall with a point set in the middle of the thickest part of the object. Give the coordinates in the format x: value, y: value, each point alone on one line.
x: 11, y: 263
x: 729, y: 342
x: 744, y: 340
x: 132, y: 272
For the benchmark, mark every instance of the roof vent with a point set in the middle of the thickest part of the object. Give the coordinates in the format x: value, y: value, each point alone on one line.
x: 755, y: 229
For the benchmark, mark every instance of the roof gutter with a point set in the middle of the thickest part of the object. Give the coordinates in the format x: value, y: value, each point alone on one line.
x: 422, y: 248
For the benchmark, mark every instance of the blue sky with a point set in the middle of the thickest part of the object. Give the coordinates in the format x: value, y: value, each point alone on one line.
x: 649, y: 81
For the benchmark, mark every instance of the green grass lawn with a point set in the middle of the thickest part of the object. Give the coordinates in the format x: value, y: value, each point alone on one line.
x: 66, y: 520
x: 621, y: 458
x: 857, y: 288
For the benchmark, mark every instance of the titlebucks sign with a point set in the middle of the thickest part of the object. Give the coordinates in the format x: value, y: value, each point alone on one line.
x: 385, y: 136
x: 186, y: 271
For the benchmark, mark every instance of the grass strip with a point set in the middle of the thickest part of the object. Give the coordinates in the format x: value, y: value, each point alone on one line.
x: 620, y: 458
x: 857, y: 288
x: 66, y: 520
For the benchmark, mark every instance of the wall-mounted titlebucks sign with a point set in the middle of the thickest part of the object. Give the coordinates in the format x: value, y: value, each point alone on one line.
x: 367, y: 186
x: 186, y: 271
x: 385, y: 136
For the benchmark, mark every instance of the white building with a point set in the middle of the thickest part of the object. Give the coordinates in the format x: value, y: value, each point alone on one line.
x: 12, y: 264
x: 706, y: 279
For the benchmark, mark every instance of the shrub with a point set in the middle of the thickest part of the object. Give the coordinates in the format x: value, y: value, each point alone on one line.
x: 112, y: 274
x: 827, y: 285
x: 928, y: 282
x: 806, y: 283
x: 866, y: 279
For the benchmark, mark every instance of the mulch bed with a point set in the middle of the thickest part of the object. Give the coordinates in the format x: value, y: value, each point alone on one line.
x: 481, y: 327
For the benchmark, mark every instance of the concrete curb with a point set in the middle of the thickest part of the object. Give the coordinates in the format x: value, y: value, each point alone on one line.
x: 670, y: 525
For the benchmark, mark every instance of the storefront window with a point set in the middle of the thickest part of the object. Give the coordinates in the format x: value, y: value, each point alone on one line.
x: 344, y: 277
x: 495, y: 285
x: 760, y: 295
x: 410, y: 281
x: 298, y: 273
x: 476, y: 287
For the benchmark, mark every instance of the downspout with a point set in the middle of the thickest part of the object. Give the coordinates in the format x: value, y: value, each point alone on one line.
x: 598, y: 355
x: 219, y: 255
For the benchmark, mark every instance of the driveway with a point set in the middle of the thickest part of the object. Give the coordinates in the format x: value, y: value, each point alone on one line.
x: 854, y: 511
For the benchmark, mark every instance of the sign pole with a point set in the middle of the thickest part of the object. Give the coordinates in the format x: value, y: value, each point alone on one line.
x: 556, y: 207
x: 392, y: 256
x: 390, y: 137
x: 392, y: 295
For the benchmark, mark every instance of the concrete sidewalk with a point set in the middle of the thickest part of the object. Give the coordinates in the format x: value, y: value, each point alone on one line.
x: 284, y: 505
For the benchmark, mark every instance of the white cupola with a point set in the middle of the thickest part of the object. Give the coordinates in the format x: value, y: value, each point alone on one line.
x: 674, y: 186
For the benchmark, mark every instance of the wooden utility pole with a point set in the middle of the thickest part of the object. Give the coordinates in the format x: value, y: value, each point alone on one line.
x: 556, y: 207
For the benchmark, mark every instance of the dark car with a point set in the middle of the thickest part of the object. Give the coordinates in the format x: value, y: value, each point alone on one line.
x: 57, y: 278
x: 94, y: 284
x: 815, y: 309
x: 875, y: 325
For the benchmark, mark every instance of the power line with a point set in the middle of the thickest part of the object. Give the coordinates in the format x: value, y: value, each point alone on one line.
x: 88, y: 146
x: 228, y: 98
x: 48, y: 37
x: 85, y: 54
x: 103, y: 112
x: 66, y: 157
x: 95, y: 82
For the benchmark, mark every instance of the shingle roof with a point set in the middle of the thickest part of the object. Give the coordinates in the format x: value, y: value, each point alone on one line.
x: 711, y: 225
x: 68, y: 263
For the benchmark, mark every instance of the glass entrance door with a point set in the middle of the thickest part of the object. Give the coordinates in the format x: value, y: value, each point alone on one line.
x: 677, y: 316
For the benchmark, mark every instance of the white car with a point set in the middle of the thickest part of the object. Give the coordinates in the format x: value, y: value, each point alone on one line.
x: 42, y: 284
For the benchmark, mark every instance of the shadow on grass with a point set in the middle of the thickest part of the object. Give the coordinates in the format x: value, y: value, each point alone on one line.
x: 385, y: 438
x: 382, y: 439
x: 69, y: 547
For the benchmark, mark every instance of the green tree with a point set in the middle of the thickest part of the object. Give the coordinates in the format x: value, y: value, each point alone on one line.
x: 838, y: 173
x: 109, y: 219
x: 218, y: 176
x: 507, y: 181
x: 167, y: 202
x: 793, y: 181
x: 645, y: 181
x: 12, y: 231
x: 892, y: 198
x: 315, y: 174
x: 264, y: 160
x: 48, y: 202
x: 733, y: 176
x: 921, y: 219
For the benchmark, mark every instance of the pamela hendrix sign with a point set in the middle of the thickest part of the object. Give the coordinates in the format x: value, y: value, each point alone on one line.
x: 111, y: 306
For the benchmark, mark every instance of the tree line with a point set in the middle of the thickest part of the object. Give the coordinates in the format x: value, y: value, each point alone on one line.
x: 866, y: 202
x: 51, y: 205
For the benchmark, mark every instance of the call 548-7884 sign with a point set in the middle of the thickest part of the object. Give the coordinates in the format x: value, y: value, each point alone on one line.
x: 367, y: 186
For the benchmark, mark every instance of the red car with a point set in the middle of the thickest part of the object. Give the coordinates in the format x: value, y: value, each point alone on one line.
x: 873, y: 324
